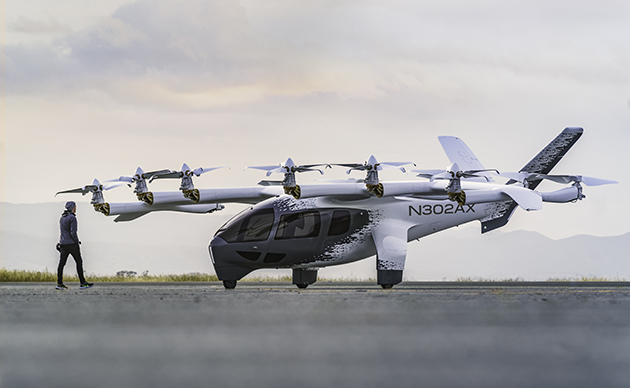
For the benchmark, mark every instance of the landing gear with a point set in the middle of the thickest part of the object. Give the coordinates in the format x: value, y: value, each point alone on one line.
x: 303, y: 277
x: 388, y: 278
x: 229, y: 284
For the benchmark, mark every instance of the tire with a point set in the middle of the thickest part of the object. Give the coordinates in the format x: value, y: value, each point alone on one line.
x: 229, y: 284
x: 387, y: 286
x: 302, y: 285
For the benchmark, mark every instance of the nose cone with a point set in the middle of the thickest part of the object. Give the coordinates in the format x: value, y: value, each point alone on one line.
x: 214, y: 243
x: 228, y: 263
x: 222, y: 252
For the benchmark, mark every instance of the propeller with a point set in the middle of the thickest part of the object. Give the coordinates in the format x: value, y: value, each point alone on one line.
x: 289, y: 168
x: 139, y: 178
x: 96, y: 188
x: 372, y: 167
x: 454, y: 175
x: 452, y: 172
x: 526, y: 178
x: 185, y: 174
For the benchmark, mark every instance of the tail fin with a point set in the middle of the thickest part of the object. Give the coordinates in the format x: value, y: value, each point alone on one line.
x: 458, y: 152
x: 541, y: 164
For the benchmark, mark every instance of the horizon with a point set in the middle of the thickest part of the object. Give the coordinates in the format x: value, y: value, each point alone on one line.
x: 172, y: 243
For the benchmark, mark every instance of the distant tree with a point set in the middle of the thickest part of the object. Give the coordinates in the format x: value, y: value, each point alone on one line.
x: 145, y: 273
x: 126, y: 274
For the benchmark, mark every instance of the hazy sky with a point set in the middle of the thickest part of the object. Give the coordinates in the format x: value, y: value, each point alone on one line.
x: 97, y: 88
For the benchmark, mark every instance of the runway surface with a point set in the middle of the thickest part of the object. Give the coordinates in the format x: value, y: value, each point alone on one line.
x: 331, y: 334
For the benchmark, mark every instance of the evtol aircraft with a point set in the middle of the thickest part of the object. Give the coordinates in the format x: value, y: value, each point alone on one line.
x: 308, y: 227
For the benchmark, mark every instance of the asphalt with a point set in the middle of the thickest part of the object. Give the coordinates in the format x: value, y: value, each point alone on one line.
x: 331, y: 334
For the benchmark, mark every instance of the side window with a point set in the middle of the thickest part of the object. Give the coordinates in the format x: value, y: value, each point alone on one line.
x: 298, y: 225
x: 250, y: 226
x: 340, y: 223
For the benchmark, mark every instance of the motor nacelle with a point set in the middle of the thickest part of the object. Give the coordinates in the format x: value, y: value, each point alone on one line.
x: 568, y: 194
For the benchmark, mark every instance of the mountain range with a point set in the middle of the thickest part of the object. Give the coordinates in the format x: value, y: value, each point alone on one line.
x: 172, y: 243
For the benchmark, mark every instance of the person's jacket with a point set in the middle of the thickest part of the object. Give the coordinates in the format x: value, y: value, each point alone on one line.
x: 68, y: 227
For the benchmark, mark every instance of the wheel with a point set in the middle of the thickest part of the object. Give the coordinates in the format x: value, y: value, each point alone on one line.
x: 229, y: 284
x: 387, y: 286
x: 302, y: 285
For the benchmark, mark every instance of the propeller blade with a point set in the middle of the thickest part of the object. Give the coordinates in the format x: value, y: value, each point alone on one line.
x: 264, y: 168
x: 353, y: 166
x: 517, y: 176
x: 171, y: 175
x: 152, y: 174
x: 590, y: 181
x: 387, y: 166
x: 79, y: 190
x: 305, y: 169
x: 270, y: 183
x: 127, y: 179
x: 427, y: 173
x: 109, y: 187
x: 563, y: 179
x: 201, y: 170
x: 316, y: 165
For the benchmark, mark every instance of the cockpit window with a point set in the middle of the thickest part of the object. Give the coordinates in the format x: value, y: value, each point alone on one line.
x: 250, y: 226
x: 299, y: 225
x: 340, y: 223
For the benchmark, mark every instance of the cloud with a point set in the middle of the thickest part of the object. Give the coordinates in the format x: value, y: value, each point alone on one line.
x: 216, y: 54
x: 50, y: 26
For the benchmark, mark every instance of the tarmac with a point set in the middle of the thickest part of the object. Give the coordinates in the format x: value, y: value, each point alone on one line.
x: 355, y: 334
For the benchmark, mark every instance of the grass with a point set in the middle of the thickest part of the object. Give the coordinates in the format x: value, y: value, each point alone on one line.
x: 480, y: 279
x: 518, y: 279
x: 587, y: 279
x: 18, y: 275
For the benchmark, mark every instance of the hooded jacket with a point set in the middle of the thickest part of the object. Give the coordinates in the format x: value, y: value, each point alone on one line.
x: 68, y: 227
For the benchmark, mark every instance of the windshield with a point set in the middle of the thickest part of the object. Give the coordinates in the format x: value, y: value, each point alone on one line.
x: 250, y: 225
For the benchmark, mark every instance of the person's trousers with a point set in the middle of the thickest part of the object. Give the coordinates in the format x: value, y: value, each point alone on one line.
x: 70, y: 249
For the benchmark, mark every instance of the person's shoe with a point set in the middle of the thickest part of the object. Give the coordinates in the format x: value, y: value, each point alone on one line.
x: 61, y: 287
x: 85, y: 285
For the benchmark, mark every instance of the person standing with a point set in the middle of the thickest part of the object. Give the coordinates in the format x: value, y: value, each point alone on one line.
x: 69, y: 245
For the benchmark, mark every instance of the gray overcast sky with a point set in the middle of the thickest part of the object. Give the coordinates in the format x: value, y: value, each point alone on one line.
x: 96, y: 89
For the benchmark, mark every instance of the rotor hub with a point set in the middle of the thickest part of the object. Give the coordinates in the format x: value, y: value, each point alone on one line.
x: 97, y: 197
x: 187, y: 183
